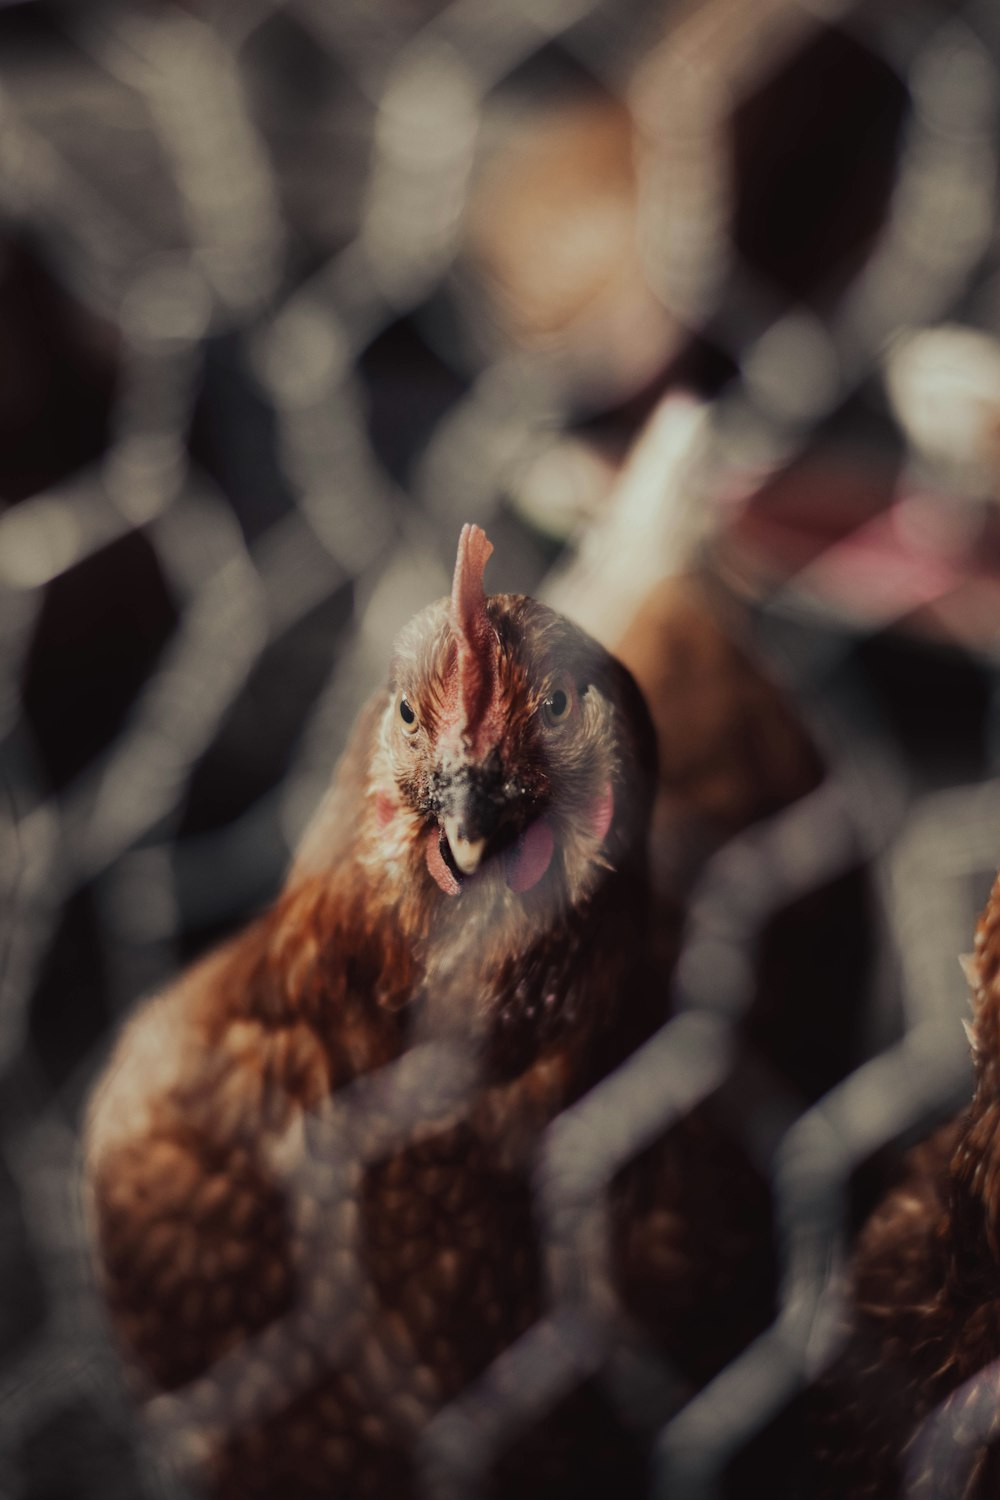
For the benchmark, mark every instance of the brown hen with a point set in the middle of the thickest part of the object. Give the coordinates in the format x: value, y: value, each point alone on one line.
x: 912, y: 1403
x: 310, y: 1161
x: 313, y: 1162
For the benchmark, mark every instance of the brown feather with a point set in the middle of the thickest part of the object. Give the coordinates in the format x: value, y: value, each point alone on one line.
x: 924, y: 1312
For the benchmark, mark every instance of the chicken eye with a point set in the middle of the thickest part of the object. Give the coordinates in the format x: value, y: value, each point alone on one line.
x: 407, y: 715
x: 557, y: 707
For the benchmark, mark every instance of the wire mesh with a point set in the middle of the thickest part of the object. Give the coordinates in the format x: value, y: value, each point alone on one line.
x: 292, y: 291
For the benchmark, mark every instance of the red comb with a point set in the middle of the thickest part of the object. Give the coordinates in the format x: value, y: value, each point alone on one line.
x: 471, y: 622
x: 468, y: 598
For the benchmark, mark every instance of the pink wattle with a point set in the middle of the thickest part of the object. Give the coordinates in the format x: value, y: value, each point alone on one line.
x: 385, y: 809
x: 530, y: 857
x: 436, y: 865
x: 602, y: 811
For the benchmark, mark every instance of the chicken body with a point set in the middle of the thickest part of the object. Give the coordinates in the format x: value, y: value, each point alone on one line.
x: 924, y: 1307
x: 310, y: 1162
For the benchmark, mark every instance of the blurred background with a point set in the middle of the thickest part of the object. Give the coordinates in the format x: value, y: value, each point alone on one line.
x: 692, y: 297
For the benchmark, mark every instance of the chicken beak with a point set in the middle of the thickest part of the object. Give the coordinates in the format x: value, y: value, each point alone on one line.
x: 466, y: 853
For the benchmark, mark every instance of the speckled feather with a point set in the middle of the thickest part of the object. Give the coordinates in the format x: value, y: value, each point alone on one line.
x: 923, y: 1313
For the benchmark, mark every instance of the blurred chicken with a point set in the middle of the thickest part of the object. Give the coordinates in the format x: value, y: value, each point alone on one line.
x: 924, y: 1307
x: 732, y: 747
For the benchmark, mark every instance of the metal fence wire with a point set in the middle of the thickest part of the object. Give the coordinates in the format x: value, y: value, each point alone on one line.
x: 689, y: 292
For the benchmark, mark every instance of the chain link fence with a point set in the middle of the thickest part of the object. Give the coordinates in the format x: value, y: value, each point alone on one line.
x: 290, y: 292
